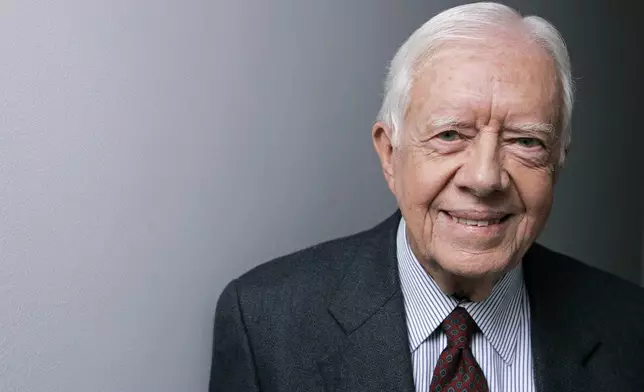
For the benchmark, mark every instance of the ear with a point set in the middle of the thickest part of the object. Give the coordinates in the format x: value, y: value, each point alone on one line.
x: 381, y: 134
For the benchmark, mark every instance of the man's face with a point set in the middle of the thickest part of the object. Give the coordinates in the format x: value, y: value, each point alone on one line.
x: 474, y: 171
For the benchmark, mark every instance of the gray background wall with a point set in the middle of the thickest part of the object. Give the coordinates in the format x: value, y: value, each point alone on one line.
x: 150, y: 151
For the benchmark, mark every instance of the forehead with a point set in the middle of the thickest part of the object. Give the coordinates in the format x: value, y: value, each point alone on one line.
x: 510, y: 80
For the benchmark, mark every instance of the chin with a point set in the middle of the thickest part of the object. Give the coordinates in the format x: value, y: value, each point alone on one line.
x: 473, y: 265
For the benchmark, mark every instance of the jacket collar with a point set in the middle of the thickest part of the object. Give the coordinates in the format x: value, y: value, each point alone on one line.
x: 368, y: 306
x: 565, y: 339
x: 375, y: 352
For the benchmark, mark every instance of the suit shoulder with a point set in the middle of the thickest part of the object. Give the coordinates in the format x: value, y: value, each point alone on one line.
x: 312, y: 266
x: 596, y: 284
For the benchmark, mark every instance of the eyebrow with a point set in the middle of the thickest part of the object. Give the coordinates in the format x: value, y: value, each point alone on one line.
x: 532, y: 127
x: 451, y: 121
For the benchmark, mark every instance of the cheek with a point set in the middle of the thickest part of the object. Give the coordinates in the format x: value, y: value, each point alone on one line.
x: 535, y: 188
x: 422, y: 178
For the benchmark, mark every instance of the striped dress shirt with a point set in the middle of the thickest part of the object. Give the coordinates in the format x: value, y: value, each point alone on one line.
x: 502, y: 347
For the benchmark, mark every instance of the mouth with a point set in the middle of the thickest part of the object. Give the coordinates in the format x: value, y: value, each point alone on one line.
x: 478, y: 219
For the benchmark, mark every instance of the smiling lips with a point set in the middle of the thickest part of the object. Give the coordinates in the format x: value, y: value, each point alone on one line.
x: 477, y: 218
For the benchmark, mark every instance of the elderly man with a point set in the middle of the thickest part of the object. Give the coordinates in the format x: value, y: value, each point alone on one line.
x: 450, y: 293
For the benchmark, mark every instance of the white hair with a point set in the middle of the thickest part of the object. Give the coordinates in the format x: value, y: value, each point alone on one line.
x: 467, y: 23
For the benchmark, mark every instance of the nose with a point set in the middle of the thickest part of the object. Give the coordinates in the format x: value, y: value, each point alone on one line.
x: 483, y: 173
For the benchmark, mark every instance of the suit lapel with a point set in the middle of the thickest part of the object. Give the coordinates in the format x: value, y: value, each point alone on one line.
x: 374, y: 354
x: 564, y: 341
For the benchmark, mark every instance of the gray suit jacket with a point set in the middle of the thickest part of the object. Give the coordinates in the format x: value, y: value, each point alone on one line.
x: 331, y: 318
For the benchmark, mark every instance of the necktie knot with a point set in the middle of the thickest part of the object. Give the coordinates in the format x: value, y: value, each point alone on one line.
x: 459, y: 328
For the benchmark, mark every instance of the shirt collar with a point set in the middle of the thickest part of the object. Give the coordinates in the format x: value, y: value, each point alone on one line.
x: 426, y: 306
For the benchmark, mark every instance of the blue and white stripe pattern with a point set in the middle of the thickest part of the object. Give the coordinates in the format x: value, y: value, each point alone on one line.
x: 502, y: 348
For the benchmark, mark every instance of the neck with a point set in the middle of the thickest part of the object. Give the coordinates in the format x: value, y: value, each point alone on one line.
x: 462, y: 287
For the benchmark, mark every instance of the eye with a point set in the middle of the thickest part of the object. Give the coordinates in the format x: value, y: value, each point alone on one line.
x: 529, y: 142
x: 449, y: 136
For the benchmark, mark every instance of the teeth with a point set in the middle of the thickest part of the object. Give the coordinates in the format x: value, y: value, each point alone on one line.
x: 471, y: 222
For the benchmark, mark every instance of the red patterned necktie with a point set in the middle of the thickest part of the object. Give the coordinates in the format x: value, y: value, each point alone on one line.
x: 457, y: 369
